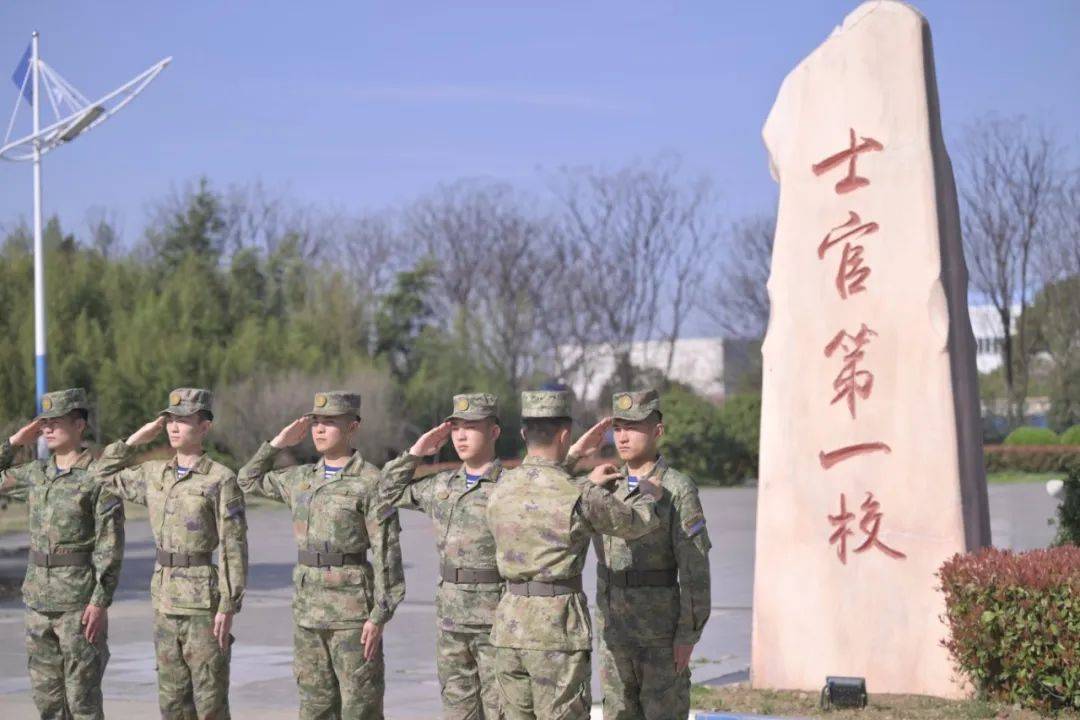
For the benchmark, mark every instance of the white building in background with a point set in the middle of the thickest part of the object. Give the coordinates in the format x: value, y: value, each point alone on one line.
x: 715, y: 367
x: 712, y: 366
x: 986, y: 324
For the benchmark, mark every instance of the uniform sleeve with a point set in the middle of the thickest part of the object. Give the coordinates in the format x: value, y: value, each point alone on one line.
x: 398, y: 489
x: 690, y: 538
x: 384, y: 531
x: 258, y: 477
x: 233, y: 556
x: 114, y: 470
x: 607, y: 514
x: 108, y: 546
x: 14, y: 482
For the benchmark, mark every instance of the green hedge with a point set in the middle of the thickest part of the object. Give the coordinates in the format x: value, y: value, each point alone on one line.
x: 713, y: 447
x: 1021, y: 458
x: 1014, y: 624
x: 1068, y: 512
x: 1071, y: 436
x: 1028, y: 435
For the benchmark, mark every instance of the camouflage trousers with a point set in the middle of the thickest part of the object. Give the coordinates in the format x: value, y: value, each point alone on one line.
x: 333, y: 678
x: 466, y: 662
x: 545, y: 684
x: 192, y: 669
x: 641, y: 684
x: 65, y: 668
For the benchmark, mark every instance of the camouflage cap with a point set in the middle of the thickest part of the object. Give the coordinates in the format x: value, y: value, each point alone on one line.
x: 336, y: 402
x: 474, y: 406
x: 60, y: 403
x: 545, y: 404
x: 635, y: 405
x: 188, y: 401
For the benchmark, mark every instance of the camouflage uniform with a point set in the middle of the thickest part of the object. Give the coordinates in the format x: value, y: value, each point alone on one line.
x: 190, y: 518
x: 464, y: 607
x: 542, y: 520
x: 335, y: 521
x: 652, y: 592
x: 76, y: 547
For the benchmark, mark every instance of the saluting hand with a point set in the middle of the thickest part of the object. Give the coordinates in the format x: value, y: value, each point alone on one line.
x: 589, y: 443
x: 430, y: 442
x: 293, y: 433
x: 603, y: 474
x: 147, y: 432
x: 27, y: 434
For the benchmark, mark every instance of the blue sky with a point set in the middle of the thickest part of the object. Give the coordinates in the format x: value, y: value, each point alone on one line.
x: 358, y: 106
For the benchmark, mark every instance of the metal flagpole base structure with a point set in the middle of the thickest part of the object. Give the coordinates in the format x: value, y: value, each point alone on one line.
x: 75, y: 115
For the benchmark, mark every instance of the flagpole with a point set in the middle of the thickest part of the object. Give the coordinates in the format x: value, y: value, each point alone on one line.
x: 39, y: 253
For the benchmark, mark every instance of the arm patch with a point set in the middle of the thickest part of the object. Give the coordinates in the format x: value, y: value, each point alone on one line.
x: 234, y: 508
x: 693, y: 525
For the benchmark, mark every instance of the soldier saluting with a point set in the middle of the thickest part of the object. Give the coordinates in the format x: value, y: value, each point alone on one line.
x: 342, y: 599
x: 76, y: 547
x: 469, y: 582
x: 652, y: 594
x: 195, y: 508
x: 542, y: 520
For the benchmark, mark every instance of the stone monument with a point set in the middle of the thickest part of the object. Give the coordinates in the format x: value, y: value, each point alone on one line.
x: 871, y: 449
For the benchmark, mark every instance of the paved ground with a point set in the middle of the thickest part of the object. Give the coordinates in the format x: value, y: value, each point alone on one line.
x: 262, y: 682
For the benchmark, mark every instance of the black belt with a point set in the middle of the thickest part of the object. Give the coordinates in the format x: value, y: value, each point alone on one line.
x: 541, y: 588
x: 459, y: 576
x: 640, y: 578
x: 312, y: 558
x: 178, y: 559
x: 59, y: 559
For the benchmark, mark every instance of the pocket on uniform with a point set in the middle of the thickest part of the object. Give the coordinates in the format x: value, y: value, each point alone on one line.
x: 193, y: 588
x: 197, y: 511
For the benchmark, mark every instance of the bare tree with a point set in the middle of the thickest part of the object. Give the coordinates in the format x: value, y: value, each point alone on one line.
x: 642, y: 234
x: 1056, y: 311
x: 487, y: 250
x: 739, y: 303
x: 1009, y: 176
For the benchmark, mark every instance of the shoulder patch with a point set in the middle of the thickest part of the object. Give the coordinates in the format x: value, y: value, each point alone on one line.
x: 234, y: 508
x: 693, y: 525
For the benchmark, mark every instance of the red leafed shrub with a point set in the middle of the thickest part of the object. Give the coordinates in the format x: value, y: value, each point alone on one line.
x: 1014, y: 624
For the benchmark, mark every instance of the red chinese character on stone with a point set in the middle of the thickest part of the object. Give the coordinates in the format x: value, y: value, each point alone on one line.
x: 870, y: 525
x: 851, y: 181
x: 840, y: 535
x: 851, y: 275
x: 851, y: 381
x: 834, y: 457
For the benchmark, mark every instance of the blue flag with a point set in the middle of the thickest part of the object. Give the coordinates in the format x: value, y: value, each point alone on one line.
x: 21, y: 70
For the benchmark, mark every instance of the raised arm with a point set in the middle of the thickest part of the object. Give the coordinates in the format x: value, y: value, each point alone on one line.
x: 258, y: 476
x: 115, y: 469
x: 607, y: 514
x: 14, y: 481
x: 396, y: 485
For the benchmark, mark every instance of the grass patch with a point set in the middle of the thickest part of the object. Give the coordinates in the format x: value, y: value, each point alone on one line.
x: 1009, y: 477
x: 741, y: 699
